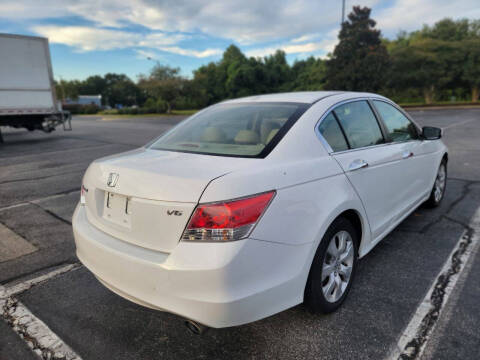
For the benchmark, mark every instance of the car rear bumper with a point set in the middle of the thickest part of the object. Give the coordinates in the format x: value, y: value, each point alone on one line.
x: 215, y: 284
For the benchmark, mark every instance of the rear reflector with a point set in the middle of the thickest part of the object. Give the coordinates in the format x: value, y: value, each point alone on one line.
x: 83, y: 194
x: 226, y: 221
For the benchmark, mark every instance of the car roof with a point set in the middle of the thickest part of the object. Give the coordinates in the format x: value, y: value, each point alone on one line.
x: 307, y: 97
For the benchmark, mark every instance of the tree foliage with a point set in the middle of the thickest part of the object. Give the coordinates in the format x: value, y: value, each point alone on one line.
x: 440, y: 61
x: 360, y: 60
x: 164, y: 83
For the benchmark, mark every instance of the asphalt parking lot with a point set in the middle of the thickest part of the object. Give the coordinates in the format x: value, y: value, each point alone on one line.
x: 40, y: 176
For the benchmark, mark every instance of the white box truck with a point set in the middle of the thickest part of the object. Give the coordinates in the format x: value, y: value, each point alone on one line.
x: 27, y: 91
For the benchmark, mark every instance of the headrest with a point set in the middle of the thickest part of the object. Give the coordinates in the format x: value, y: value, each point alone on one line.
x: 214, y: 135
x: 247, y: 137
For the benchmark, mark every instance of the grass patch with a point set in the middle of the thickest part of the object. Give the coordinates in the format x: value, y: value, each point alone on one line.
x: 114, y: 114
x: 440, y: 104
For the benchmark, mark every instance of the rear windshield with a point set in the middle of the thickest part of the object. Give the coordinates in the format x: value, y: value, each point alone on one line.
x: 241, y: 129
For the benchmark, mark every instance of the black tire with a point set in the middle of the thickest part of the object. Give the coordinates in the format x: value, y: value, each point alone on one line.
x: 314, y: 297
x: 434, y: 201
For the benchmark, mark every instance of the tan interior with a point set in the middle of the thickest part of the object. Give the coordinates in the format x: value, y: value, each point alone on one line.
x: 247, y: 137
x: 213, y: 135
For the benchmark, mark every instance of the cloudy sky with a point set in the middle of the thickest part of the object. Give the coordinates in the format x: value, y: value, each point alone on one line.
x: 99, y: 36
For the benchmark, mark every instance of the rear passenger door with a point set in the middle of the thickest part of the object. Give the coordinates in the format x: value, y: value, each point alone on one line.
x: 370, y: 163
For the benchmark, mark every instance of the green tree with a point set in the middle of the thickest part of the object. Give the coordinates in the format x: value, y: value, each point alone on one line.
x: 212, y: 79
x: 360, y: 60
x: 119, y: 89
x: 471, y: 66
x: 447, y: 30
x: 309, y: 74
x: 425, y: 64
x: 94, y: 85
x: 164, y: 83
x: 67, y: 89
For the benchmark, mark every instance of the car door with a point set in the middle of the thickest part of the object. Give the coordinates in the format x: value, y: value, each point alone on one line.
x: 418, y: 165
x: 371, y: 164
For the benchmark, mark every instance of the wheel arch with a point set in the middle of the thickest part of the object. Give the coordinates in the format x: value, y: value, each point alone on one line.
x: 355, y: 219
x: 359, y: 222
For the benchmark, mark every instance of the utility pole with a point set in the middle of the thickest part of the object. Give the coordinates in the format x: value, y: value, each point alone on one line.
x: 343, y: 11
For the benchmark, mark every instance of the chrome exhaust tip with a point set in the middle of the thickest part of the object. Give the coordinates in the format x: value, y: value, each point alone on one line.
x: 195, y: 328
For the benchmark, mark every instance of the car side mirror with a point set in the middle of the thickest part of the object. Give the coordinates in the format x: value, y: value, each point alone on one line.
x: 431, y: 133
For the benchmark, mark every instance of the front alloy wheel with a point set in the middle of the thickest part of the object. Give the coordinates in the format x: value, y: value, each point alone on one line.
x: 439, y: 186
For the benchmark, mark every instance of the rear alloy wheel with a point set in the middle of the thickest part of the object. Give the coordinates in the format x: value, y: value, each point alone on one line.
x: 438, y: 191
x: 333, y: 268
x: 337, y: 266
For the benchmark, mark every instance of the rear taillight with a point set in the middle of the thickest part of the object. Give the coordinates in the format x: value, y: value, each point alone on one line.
x: 83, y: 194
x: 226, y: 221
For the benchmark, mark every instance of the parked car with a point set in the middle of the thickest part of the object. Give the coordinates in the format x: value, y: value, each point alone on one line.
x: 255, y: 205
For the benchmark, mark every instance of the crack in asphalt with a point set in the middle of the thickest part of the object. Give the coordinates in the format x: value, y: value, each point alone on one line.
x: 36, y: 271
x: 414, y: 347
x: 39, y: 338
x: 49, y: 212
x: 465, y: 191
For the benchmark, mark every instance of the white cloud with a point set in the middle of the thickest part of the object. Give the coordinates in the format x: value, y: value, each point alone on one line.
x: 248, y: 22
x: 190, y: 52
x: 305, y: 38
x: 147, y: 55
x: 321, y: 47
x: 410, y: 15
x: 161, y: 39
x: 288, y: 48
x: 87, y: 38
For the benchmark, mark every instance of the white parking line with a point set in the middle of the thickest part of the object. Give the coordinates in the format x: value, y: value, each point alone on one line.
x: 459, y: 124
x: 25, y: 285
x: 38, y: 336
x: 416, y: 335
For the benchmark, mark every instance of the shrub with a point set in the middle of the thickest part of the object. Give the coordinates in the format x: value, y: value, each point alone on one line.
x: 150, y: 106
x: 161, y: 106
x: 81, y: 109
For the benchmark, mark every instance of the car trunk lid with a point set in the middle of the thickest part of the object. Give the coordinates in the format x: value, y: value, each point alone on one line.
x: 145, y: 197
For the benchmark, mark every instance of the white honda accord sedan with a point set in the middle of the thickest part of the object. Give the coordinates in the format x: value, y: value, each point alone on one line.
x: 254, y: 205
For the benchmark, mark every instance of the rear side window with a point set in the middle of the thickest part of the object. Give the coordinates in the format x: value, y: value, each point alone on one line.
x: 359, y: 124
x: 399, y: 127
x: 332, y: 133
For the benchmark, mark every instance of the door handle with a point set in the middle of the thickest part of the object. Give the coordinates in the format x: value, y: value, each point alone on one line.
x: 357, y: 164
x: 407, y: 154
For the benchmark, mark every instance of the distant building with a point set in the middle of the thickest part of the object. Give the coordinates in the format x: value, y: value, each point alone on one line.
x: 86, y: 100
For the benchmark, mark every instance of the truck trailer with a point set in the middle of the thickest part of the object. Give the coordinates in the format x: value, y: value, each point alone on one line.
x: 27, y: 91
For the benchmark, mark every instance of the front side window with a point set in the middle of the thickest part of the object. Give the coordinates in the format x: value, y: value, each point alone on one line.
x: 332, y: 133
x: 241, y: 129
x: 399, y: 127
x: 359, y: 124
